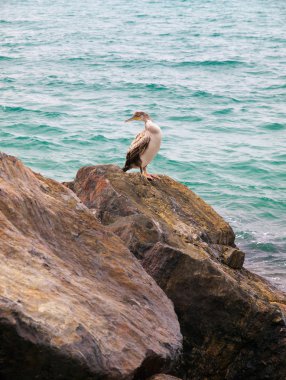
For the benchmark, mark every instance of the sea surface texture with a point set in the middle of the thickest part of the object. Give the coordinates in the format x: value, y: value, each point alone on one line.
x: 212, y: 74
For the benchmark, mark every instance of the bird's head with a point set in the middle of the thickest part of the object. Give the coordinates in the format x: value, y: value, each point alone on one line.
x: 139, y: 115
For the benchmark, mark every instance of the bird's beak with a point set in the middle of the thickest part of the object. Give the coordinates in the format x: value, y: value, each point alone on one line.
x: 130, y: 119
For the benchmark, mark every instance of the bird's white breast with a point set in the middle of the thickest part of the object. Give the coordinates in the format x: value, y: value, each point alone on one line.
x: 154, y: 144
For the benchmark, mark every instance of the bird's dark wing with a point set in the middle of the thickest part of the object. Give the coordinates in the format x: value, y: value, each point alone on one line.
x: 137, y: 148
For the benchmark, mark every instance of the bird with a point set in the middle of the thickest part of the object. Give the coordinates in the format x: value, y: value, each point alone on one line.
x: 144, y: 147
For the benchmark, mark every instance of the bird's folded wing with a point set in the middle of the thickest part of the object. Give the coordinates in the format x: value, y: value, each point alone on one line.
x: 138, y: 147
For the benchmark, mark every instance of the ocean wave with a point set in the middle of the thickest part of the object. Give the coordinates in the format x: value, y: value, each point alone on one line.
x: 275, y: 87
x: 4, y: 134
x: 207, y: 94
x: 37, y: 129
x: 12, y: 109
x: 145, y: 63
x: 186, y: 118
x: 53, y: 82
x: 156, y: 86
x: 223, y: 111
x: 126, y: 86
x: 274, y: 126
x: 74, y: 59
x: 265, y: 247
x: 18, y: 109
x: 212, y: 63
x: 30, y: 143
x: 102, y: 138
x: 7, y: 80
x: 6, y: 58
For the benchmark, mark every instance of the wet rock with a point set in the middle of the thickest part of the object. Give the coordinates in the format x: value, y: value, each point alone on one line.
x: 74, y: 302
x: 233, y: 321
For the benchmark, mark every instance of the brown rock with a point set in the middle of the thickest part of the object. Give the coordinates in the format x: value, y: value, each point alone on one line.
x: 227, y: 319
x: 233, y: 321
x: 167, y: 204
x: 74, y: 302
x: 233, y: 257
x: 162, y: 376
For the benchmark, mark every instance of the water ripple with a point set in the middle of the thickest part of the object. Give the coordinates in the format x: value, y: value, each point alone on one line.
x: 212, y: 74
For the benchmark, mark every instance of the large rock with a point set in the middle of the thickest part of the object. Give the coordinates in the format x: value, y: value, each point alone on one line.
x: 74, y: 302
x: 233, y: 321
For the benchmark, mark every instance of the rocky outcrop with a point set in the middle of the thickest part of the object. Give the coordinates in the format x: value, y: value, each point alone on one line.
x: 232, y: 257
x: 233, y: 321
x: 74, y: 302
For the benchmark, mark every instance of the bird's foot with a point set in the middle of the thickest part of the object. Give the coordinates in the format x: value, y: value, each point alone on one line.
x: 151, y: 177
x: 155, y: 176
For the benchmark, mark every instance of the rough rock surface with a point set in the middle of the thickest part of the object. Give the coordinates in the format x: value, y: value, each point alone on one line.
x: 74, y: 302
x: 162, y: 376
x: 233, y: 257
x: 233, y: 321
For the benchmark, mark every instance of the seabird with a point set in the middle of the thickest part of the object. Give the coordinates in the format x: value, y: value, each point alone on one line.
x: 145, y: 145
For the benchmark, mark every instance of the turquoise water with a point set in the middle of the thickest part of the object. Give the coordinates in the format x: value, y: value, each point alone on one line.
x: 212, y: 74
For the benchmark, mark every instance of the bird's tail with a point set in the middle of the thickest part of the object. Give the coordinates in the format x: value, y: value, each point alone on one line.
x: 125, y: 168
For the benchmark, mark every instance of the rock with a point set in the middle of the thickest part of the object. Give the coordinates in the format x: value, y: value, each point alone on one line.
x: 165, y: 205
x: 233, y: 321
x: 233, y: 257
x: 220, y: 312
x: 74, y: 302
x: 162, y: 376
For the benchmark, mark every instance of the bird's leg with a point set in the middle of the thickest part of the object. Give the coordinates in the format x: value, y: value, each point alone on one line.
x: 145, y: 174
x: 151, y: 177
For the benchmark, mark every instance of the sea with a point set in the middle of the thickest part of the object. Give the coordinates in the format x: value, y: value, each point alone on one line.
x: 211, y: 73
